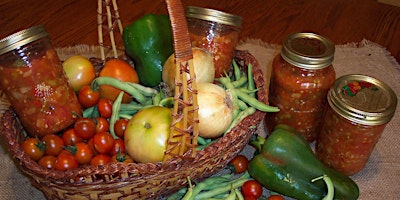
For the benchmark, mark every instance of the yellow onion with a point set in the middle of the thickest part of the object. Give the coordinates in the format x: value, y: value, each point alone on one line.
x: 215, y: 110
x: 203, y: 68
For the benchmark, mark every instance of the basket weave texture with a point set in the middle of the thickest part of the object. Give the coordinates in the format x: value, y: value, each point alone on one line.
x: 139, y: 180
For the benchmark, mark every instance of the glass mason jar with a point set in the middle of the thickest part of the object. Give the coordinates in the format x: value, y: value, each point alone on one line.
x: 359, y: 109
x: 300, y: 79
x: 215, y: 31
x: 34, y: 82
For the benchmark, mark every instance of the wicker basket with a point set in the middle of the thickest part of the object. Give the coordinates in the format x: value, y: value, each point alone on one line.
x: 137, y: 180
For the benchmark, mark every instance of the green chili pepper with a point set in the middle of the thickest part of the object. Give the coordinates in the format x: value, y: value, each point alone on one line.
x: 287, y: 164
x: 148, y: 41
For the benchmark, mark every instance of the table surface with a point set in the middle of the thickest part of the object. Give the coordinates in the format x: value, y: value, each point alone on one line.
x: 72, y: 22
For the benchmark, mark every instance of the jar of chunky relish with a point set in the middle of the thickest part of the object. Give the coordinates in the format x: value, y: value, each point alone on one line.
x: 301, y: 76
x: 35, y: 84
x: 215, y: 31
x: 359, y: 109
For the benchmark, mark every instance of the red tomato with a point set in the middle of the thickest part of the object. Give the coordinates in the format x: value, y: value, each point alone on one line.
x: 79, y: 70
x: 70, y: 137
x: 276, y: 197
x: 239, y: 164
x: 54, y: 144
x: 87, y: 97
x: 90, y: 143
x: 102, y: 125
x: 48, y: 161
x: 85, y: 128
x: 105, y: 107
x: 34, y: 148
x: 252, y: 188
x: 100, y: 159
x: 118, y: 147
x: 83, y: 154
x: 103, y: 142
x: 124, y: 158
x: 65, y: 161
x: 120, y: 126
x: 120, y: 70
x: 250, y: 198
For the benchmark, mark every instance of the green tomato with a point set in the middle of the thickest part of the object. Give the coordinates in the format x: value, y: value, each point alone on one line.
x: 146, y: 134
x: 79, y: 70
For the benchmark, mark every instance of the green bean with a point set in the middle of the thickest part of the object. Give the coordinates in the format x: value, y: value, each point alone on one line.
x: 232, y: 194
x: 242, y: 105
x: 157, y: 98
x: 115, y: 113
x: 125, y: 86
x: 239, y: 82
x: 236, y: 70
x: 243, y: 114
x: 179, y: 194
x: 250, y: 79
x: 189, y: 194
x: 167, y: 102
x: 239, y: 194
x: 329, y: 185
x: 255, y: 103
x: 91, y: 112
x: 147, y: 91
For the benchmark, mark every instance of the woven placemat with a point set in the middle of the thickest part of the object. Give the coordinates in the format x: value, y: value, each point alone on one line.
x: 378, y: 180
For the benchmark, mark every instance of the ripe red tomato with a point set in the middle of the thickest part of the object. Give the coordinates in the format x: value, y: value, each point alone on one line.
x: 34, y: 148
x: 48, y: 161
x: 249, y: 198
x: 120, y: 70
x: 79, y: 70
x: 54, y: 144
x: 65, y: 161
x: 252, y: 188
x: 123, y: 158
x: 100, y: 159
x: 87, y: 97
x: 102, y: 125
x: 85, y: 128
x: 276, y: 197
x: 118, y: 147
x: 103, y: 142
x: 83, y: 153
x: 91, y: 145
x: 70, y: 137
x: 120, y: 126
x: 105, y: 107
x: 239, y: 164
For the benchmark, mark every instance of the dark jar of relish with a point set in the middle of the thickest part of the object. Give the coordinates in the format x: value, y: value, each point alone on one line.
x: 35, y: 84
x: 359, y: 109
x: 215, y: 31
x: 301, y: 76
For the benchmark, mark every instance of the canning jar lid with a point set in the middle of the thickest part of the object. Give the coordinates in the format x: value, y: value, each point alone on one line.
x: 308, y: 50
x: 21, y: 38
x: 213, y: 15
x: 362, y: 99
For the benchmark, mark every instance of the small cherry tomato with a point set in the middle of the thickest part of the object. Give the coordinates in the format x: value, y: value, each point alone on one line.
x: 100, y: 159
x: 70, y: 137
x: 252, y: 188
x: 105, y: 107
x: 65, y: 161
x: 102, y: 125
x: 238, y: 164
x: 118, y: 147
x: 91, y: 145
x: 249, y: 198
x: 123, y: 158
x: 87, y: 97
x: 34, y: 148
x: 54, y: 144
x: 48, y: 161
x: 83, y: 153
x: 85, y: 128
x: 103, y: 142
x: 120, y: 126
x: 276, y: 197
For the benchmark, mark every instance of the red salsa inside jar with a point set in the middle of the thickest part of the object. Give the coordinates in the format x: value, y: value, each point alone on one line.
x: 40, y: 94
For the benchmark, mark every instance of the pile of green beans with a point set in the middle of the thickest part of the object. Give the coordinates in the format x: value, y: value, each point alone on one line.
x: 213, y: 188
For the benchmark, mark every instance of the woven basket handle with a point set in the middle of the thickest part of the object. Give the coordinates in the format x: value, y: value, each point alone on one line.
x: 184, y: 127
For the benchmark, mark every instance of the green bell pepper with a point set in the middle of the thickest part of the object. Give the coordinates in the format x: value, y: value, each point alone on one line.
x: 148, y: 42
x: 286, y: 164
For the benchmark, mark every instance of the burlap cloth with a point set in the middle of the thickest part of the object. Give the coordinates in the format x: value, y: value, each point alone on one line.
x: 380, y: 179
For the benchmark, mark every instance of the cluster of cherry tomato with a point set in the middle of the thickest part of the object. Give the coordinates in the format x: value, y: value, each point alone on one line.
x: 251, y: 189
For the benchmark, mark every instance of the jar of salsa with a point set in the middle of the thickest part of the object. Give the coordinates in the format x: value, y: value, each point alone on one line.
x: 301, y: 76
x: 359, y: 109
x: 215, y: 31
x: 35, y: 84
